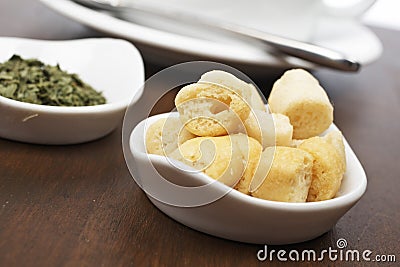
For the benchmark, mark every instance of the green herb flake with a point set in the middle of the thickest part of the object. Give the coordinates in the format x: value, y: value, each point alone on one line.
x: 32, y: 81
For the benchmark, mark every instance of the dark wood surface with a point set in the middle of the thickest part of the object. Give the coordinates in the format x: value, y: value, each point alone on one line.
x: 78, y: 205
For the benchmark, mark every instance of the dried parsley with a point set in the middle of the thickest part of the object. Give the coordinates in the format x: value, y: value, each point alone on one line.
x: 34, y: 82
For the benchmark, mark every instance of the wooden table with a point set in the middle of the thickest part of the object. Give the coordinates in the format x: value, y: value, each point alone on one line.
x: 78, y: 205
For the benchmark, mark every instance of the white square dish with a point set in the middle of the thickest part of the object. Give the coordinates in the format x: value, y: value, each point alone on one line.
x: 112, y: 66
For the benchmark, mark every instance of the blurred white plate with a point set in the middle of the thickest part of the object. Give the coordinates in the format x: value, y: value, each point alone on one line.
x: 347, y: 36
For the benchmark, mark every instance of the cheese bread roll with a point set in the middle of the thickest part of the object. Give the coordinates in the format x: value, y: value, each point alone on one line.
x: 284, y: 174
x: 211, y: 110
x: 247, y: 90
x: 218, y: 157
x: 217, y: 104
x: 296, y: 142
x: 328, y: 168
x: 336, y: 139
x: 269, y: 129
x: 298, y: 95
x: 165, y: 135
x: 251, y: 153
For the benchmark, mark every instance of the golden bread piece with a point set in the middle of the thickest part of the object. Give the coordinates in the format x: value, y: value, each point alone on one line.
x: 328, y: 167
x: 219, y: 157
x: 296, y: 142
x: 211, y: 110
x: 251, y: 152
x: 336, y: 139
x: 247, y: 90
x: 298, y: 95
x: 283, y: 130
x: 165, y: 135
x: 256, y: 101
x: 269, y: 129
x: 284, y: 174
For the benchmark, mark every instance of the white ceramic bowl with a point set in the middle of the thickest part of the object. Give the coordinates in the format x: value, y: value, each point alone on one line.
x: 240, y: 217
x: 112, y: 66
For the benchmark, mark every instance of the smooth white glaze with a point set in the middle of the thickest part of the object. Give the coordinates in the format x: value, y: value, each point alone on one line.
x: 112, y: 66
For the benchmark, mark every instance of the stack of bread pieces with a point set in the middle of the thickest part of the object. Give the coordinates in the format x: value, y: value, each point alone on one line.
x: 280, y: 153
